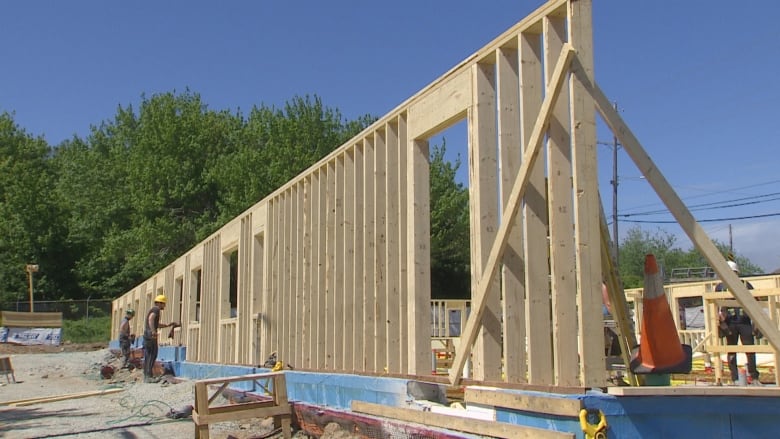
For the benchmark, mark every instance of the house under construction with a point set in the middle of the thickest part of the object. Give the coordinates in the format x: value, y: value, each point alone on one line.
x: 332, y: 270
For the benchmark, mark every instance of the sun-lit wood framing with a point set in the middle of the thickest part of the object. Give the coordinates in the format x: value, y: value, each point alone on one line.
x: 334, y: 267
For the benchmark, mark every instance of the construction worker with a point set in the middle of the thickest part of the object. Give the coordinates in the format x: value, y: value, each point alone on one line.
x: 735, y: 325
x: 151, y: 326
x: 125, y: 337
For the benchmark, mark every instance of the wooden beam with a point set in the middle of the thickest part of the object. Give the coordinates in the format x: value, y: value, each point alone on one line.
x: 368, y: 288
x: 695, y: 391
x: 392, y: 255
x: 564, y: 369
x: 548, y: 405
x: 617, y: 299
x: 441, y: 107
x: 758, y: 348
x: 681, y: 213
x: 239, y: 412
x: 538, y: 343
x: 359, y: 259
x: 418, y: 258
x: 380, y: 245
x: 510, y: 142
x: 586, y: 201
x: 483, y: 216
x: 468, y: 425
x: 348, y: 280
x: 507, y: 218
x: 42, y: 400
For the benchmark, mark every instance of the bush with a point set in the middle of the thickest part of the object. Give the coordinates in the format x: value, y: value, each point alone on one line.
x: 94, y: 330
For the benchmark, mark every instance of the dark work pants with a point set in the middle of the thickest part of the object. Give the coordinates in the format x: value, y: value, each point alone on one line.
x: 124, y: 345
x: 743, y: 332
x: 150, y: 356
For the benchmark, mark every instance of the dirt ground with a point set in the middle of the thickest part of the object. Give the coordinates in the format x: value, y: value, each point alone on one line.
x: 130, y: 408
x: 10, y: 349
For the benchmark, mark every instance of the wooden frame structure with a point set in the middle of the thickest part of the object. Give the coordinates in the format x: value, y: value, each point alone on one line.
x: 333, y: 268
x: 277, y: 406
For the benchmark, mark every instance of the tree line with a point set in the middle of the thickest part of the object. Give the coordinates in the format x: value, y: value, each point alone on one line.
x: 102, y: 213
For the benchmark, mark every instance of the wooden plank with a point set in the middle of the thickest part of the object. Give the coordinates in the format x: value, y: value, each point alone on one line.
x: 392, y: 255
x: 513, y: 271
x: 473, y: 426
x: 762, y: 292
x: 369, y: 247
x: 380, y: 247
x: 441, y: 106
x: 46, y: 399
x: 239, y: 413
x: 296, y: 262
x: 218, y: 392
x: 548, y: 405
x: 418, y: 288
x: 330, y: 264
x: 301, y: 284
x: 767, y: 391
x: 348, y: 280
x: 759, y: 348
x: 268, y: 312
x: 318, y: 305
x: 15, y: 402
x: 559, y: 176
x: 359, y: 259
x: 201, y: 408
x: 230, y: 408
x: 483, y: 213
x: 285, y: 350
x: 518, y: 188
x: 338, y: 268
x: 306, y: 291
x: 238, y: 378
x: 537, y: 270
x: 680, y: 212
x: 617, y: 299
x: 586, y: 201
x: 403, y: 242
x: 280, y: 398
x: 13, y: 319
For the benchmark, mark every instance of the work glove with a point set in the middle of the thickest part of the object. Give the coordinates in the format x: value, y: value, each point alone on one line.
x: 757, y: 333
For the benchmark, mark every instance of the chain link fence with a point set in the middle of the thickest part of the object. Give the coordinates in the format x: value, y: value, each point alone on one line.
x: 70, y: 309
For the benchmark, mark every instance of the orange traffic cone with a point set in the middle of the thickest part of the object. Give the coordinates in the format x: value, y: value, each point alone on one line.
x: 659, y: 350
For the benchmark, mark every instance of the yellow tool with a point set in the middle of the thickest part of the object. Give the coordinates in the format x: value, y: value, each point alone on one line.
x: 598, y: 431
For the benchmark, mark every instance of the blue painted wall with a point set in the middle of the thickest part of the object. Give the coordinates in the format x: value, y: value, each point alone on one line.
x: 689, y: 417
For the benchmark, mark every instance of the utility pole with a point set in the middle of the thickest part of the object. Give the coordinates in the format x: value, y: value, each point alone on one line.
x: 615, y: 195
x: 731, y: 240
x: 31, y: 268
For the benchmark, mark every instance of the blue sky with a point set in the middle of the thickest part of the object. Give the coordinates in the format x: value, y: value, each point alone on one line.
x: 695, y: 80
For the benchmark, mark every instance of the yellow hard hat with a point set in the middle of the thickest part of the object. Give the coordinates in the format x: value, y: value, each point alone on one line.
x: 161, y: 298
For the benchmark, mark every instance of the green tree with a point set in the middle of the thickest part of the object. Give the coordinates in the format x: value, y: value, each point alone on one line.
x: 274, y: 146
x: 30, y: 226
x: 450, y: 254
x: 139, y: 190
x: 639, y: 242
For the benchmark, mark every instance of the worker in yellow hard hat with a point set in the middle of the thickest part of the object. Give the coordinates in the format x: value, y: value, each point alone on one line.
x: 151, y: 326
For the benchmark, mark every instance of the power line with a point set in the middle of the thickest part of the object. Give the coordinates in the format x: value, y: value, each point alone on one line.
x: 713, y: 205
x: 710, y: 193
x: 710, y: 220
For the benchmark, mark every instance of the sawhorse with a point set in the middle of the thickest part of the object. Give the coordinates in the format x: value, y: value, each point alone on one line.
x: 7, y: 369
